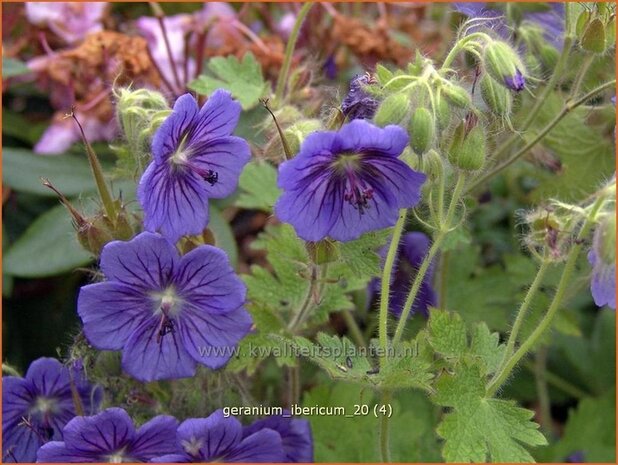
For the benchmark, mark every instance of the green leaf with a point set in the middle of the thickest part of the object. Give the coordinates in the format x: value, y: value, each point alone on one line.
x: 48, y: 247
x: 224, y: 237
x: 12, y: 67
x: 258, y: 186
x: 16, y: 125
x: 486, y: 346
x: 361, y: 255
x: 242, y: 78
x: 586, y: 156
x: 481, y: 429
x: 22, y: 170
x: 447, y: 334
x: 286, y: 288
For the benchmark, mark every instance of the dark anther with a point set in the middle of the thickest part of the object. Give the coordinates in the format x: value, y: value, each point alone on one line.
x: 211, y: 177
x: 166, y: 326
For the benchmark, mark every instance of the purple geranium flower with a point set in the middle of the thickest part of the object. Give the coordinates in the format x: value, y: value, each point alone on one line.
x: 221, y: 439
x: 111, y: 437
x: 345, y: 183
x: 295, y: 434
x: 165, y: 312
x: 195, y: 157
x: 358, y: 104
x: 411, y: 252
x: 36, y: 408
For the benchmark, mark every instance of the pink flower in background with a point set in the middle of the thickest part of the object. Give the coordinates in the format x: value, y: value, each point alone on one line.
x: 63, y: 132
x: 177, y: 27
x: 70, y: 21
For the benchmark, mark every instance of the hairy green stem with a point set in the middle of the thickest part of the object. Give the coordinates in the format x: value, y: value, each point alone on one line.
x: 385, y: 285
x: 289, y: 51
x: 459, y: 188
x: 545, y: 323
x: 301, y: 315
x: 581, y: 74
x: 523, y: 310
x: 568, y: 107
x: 385, y: 451
x: 540, y: 367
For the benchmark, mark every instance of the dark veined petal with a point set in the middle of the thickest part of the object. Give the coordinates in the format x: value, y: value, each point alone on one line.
x: 401, y: 180
x: 295, y: 435
x: 17, y: 396
x: 172, y: 458
x: 146, y: 261
x: 226, y: 157
x: 148, y: 355
x: 167, y: 138
x: 217, y: 118
x: 174, y: 203
x: 99, y: 435
x: 207, y: 282
x: 48, y: 376
x: 19, y: 443
x: 264, y: 446
x: 110, y: 311
x: 155, y: 438
x: 209, y: 438
x: 58, y: 452
x: 211, y: 339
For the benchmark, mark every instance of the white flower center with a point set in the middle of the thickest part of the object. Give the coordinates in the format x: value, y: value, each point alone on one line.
x: 44, y: 405
x: 167, y: 302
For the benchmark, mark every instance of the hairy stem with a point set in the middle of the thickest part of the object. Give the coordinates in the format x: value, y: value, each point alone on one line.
x: 385, y: 285
x: 545, y: 323
x: 540, y: 367
x: 568, y: 107
x: 385, y: 452
x: 289, y: 51
x: 559, y: 383
x: 523, y: 310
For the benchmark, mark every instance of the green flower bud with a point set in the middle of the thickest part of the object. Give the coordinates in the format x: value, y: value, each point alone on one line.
x: 324, y: 251
x: 457, y: 96
x: 593, y: 38
x: 467, y: 151
x: 503, y: 64
x: 296, y: 133
x: 497, y: 98
x: 432, y: 164
x: 443, y: 113
x: 392, y: 110
x: 140, y: 113
x: 422, y: 129
x: 583, y: 20
x: 93, y: 235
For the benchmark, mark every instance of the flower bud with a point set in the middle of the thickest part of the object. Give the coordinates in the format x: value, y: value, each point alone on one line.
x: 457, y: 96
x: 296, y: 133
x: 593, y: 38
x: 421, y: 129
x: 467, y: 151
x: 497, y: 98
x: 140, y: 113
x: 324, y: 251
x: 504, y: 65
x: 443, y: 113
x: 94, y: 234
x: 392, y: 110
x: 432, y: 165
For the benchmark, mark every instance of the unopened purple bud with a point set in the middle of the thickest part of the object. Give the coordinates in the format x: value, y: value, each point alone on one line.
x: 516, y: 82
x: 358, y: 104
